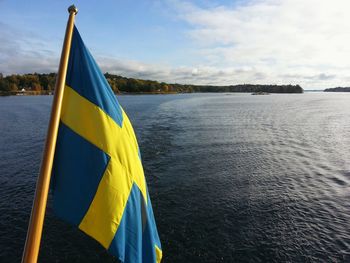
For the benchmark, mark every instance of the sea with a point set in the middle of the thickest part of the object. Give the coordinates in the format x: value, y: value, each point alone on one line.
x: 232, y: 177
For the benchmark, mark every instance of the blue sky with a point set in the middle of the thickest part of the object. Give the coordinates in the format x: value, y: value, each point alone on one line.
x: 200, y: 41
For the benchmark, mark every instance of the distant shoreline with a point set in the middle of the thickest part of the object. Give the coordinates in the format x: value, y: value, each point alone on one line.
x: 338, y: 89
x: 43, y: 84
x: 45, y: 93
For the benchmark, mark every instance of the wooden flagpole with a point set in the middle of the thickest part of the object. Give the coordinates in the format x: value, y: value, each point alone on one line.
x: 32, y: 245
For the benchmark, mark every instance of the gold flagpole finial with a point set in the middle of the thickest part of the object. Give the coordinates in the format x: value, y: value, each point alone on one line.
x: 73, y: 9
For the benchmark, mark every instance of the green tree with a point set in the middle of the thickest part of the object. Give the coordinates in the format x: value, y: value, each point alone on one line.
x: 5, y: 85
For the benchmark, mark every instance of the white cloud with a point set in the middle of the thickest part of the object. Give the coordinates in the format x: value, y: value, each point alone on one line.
x: 277, y: 38
x: 203, y: 75
x: 302, y: 42
x: 23, y: 52
x: 272, y: 41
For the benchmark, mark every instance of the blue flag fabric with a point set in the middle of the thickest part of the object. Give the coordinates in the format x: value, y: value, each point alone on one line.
x: 98, y: 183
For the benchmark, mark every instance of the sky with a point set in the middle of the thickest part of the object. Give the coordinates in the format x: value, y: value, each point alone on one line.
x: 305, y: 42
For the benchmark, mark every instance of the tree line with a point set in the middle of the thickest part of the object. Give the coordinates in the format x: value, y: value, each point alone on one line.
x: 338, y: 89
x: 35, y: 83
x: 44, y: 84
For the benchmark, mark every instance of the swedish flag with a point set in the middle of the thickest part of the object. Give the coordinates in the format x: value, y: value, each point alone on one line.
x: 98, y: 182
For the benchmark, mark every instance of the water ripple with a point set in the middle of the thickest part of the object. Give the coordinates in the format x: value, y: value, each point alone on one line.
x: 235, y: 178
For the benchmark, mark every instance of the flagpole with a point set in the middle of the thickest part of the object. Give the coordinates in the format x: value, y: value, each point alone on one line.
x: 32, y: 245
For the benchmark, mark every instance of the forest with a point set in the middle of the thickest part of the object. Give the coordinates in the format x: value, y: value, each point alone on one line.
x: 40, y: 84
